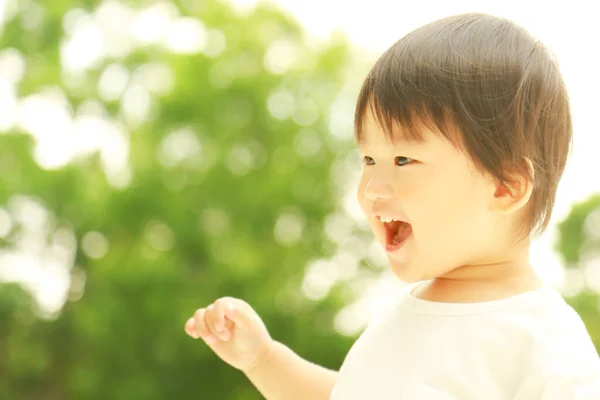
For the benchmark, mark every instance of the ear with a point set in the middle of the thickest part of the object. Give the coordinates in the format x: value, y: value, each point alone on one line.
x: 514, y: 194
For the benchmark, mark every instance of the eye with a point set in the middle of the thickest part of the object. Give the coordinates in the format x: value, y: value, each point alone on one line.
x: 401, y: 161
x: 368, y: 161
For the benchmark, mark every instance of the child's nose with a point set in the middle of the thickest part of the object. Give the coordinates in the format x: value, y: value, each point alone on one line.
x: 378, y: 189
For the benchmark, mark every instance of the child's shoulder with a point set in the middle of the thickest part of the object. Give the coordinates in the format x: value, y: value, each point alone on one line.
x: 564, y: 371
x: 561, y: 342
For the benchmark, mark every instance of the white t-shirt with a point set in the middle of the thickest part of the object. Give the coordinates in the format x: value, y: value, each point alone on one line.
x: 532, y: 346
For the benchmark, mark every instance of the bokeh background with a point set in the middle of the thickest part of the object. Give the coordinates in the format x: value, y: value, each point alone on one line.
x: 156, y: 155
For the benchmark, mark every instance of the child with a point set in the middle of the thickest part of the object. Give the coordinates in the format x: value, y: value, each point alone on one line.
x: 464, y: 126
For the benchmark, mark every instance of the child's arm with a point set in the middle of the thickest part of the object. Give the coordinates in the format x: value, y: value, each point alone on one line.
x: 285, y: 375
x: 235, y: 332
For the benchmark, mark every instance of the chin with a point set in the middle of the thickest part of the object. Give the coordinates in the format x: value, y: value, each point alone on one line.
x: 405, y: 271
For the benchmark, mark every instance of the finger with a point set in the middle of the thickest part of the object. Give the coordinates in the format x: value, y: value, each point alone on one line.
x: 239, y: 313
x: 219, y: 316
x: 209, y: 321
x: 201, y: 328
x: 225, y: 304
x: 219, y: 320
x: 190, y: 329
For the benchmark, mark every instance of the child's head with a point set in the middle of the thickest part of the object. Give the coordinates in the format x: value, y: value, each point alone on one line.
x: 465, y: 127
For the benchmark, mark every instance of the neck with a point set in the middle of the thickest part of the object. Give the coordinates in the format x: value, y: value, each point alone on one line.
x: 485, y: 281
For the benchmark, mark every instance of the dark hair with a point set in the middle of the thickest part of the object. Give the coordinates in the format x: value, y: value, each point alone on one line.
x: 488, y: 86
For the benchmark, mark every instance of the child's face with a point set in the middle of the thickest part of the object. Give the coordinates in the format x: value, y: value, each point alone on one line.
x: 437, y: 190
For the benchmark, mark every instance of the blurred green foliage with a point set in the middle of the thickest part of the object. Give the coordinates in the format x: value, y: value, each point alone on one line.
x: 579, y: 244
x: 226, y: 192
x: 189, y: 226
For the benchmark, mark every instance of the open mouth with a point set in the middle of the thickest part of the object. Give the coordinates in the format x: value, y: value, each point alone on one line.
x: 396, y: 234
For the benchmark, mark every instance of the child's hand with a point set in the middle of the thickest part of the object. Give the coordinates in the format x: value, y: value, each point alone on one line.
x: 233, y: 330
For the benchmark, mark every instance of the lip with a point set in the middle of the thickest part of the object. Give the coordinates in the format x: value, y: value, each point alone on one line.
x: 395, y: 217
x: 379, y: 209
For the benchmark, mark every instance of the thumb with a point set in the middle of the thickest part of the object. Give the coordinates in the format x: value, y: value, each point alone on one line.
x: 240, y: 317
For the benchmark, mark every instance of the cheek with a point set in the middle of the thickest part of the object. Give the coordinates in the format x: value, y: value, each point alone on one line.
x: 445, y: 204
x: 459, y: 210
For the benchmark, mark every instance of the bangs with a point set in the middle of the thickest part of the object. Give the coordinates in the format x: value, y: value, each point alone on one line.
x: 403, y: 123
x: 402, y: 100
